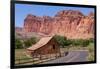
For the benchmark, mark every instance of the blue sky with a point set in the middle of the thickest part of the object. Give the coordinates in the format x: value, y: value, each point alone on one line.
x: 22, y: 10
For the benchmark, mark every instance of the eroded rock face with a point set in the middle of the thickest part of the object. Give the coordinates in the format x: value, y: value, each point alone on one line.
x: 18, y: 29
x: 69, y: 23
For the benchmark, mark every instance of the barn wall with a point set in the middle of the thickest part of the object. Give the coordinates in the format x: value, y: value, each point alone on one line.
x: 46, y: 49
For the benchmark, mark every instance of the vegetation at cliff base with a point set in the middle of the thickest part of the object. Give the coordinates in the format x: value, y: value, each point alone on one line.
x: 63, y: 41
x: 30, y: 42
x: 19, y: 44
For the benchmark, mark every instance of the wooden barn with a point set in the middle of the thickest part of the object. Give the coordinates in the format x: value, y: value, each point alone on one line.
x: 46, y: 47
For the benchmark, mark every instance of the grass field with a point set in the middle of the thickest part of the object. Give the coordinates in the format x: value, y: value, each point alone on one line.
x: 20, y: 57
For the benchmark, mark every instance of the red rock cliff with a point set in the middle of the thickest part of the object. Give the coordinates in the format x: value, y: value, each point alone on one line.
x: 70, y: 23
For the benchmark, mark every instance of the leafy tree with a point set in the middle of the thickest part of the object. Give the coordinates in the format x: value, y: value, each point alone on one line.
x: 76, y: 42
x: 62, y: 40
x: 80, y: 42
x: 91, y: 40
x: 18, y: 44
x: 85, y: 43
x: 30, y: 42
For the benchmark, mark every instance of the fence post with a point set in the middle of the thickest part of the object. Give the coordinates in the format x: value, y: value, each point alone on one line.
x: 19, y: 59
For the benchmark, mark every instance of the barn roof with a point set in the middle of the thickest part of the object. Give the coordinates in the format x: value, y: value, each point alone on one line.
x: 43, y: 41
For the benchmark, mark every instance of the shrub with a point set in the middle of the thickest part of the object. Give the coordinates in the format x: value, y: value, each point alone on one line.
x: 30, y: 42
x: 80, y: 42
x: 91, y: 40
x: 18, y: 44
x: 85, y: 43
x: 62, y: 40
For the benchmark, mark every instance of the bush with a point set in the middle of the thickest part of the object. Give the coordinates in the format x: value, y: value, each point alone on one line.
x: 91, y: 51
x: 62, y: 40
x: 68, y: 42
x: 85, y: 43
x: 91, y: 40
x: 80, y: 42
x: 76, y: 42
x: 30, y: 42
x: 18, y: 44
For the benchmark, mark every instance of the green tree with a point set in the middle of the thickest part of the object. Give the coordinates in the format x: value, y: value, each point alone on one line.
x: 91, y: 40
x: 80, y: 42
x: 85, y: 43
x: 63, y: 41
x: 18, y: 44
x: 30, y: 42
x: 76, y: 42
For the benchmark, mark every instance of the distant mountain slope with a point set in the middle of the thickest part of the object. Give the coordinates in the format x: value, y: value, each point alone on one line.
x: 19, y: 33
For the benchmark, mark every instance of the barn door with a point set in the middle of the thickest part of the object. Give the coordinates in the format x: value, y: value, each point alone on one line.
x: 54, y: 47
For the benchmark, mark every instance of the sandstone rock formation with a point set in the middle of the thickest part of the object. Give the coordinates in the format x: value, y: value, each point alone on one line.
x: 70, y: 23
x: 18, y: 29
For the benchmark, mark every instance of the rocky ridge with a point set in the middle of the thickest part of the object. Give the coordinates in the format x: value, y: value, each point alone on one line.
x: 69, y: 23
